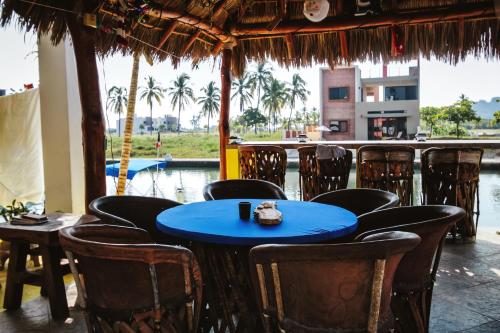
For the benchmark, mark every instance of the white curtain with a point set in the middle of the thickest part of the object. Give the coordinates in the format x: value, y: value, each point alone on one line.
x: 21, y: 160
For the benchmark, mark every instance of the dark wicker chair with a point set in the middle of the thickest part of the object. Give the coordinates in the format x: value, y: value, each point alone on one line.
x: 263, y: 162
x: 416, y: 274
x: 128, y: 283
x: 328, y: 288
x: 243, y: 189
x: 450, y: 176
x: 321, y: 176
x: 359, y: 200
x: 388, y: 168
x: 134, y: 211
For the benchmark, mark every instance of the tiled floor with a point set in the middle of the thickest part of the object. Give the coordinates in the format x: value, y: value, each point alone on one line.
x: 466, y: 296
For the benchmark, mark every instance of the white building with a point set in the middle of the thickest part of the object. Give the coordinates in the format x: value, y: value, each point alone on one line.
x: 143, y: 124
x: 357, y: 108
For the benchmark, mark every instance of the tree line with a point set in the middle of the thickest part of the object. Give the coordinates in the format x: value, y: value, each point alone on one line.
x: 261, y: 97
x: 449, y: 120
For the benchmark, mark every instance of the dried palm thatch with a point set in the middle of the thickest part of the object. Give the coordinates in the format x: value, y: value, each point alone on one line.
x: 276, y: 29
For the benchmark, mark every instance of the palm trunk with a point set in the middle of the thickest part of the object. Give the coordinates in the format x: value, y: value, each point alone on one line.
x: 151, y: 116
x: 208, y: 124
x: 119, y: 125
x: 241, y: 105
x: 179, y: 119
x: 255, y: 128
x: 290, y: 118
x: 269, y: 121
x: 129, y: 123
x: 458, y: 136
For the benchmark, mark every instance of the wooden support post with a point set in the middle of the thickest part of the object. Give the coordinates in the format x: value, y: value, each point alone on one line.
x: 167, y: 33
x: 93, y: 138
x: 225, y: 76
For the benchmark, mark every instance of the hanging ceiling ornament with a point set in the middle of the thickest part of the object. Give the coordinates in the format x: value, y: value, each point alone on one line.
x: 316, y: 10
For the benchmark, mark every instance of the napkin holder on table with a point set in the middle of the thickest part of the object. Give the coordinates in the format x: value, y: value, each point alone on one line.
x: 267, y: 214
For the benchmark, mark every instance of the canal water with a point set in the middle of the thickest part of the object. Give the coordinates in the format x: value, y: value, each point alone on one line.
x: 186, y: 185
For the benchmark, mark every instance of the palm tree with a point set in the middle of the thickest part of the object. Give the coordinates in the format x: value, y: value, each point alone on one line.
x: 209, y: 102
x: 274, y: 98
x: 261, y: 78
x: 243, y: 89
x: 117, y: 101
x: 151, y: 92
x: 181, y: 94
x: 296, y: 91
x: 129, y: 124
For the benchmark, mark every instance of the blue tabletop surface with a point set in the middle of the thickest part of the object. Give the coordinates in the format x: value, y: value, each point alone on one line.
x: 218, y: 222
x: 134, y: 166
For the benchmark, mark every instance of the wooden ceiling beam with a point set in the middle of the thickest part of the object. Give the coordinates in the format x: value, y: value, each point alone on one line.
x: 191, y: 41
x: 279, y: 16
x: 167, y: 14
x: 451, y: 13
x: 289, y: 46
x: 168, y: 32
x: 219, y: 7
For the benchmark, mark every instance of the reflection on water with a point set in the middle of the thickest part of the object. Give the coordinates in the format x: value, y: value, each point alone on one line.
x: 186, y: 184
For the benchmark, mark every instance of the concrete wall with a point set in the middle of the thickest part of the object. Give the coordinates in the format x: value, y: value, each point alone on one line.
x: 61, y: 128
x: 339, y: 109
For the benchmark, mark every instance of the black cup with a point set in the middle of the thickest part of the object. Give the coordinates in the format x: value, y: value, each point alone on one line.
x: 244, y: 208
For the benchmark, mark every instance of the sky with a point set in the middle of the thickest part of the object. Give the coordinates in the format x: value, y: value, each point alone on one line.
x: 440, y: 84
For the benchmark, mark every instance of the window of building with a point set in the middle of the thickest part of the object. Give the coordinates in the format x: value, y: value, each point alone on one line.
x: 338, y: 126
x: 400, y: 93
x: 338, y: 93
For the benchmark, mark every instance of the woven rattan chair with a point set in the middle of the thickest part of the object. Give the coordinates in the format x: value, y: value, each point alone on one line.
x: 321, y: 176
x: 263, y: 162
x: 451, y: 176
x: 126, y: 283
x: 328, y: 288
x: 134, y: 211
x: 359, y: 200
x: 416, y: 274
x: 388, y: 168
x: 243, y: 189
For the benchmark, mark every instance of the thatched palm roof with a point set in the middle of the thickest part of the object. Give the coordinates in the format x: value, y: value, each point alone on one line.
x: 277, y: 29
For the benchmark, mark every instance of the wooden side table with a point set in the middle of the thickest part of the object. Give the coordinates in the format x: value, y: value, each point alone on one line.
x: 51, y: 276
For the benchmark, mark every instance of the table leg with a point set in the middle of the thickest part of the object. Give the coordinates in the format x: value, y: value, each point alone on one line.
x: 17, y: 265
x: 53, y: 281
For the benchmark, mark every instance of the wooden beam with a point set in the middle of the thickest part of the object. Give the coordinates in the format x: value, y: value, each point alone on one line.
x: 190, y: 41
x: 93, y: 139
x: 219, y: 7
x: 208, y: 27
x: 344, y: 50
x: 168, y: 32
x: 451, y: 13
x: 225, y: 102
x: 217, y: 48
x: 279, y: 16
x: 289, y: 46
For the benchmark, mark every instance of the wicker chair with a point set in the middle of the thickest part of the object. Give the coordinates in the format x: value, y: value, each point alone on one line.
x: 328, y: 288
x: 359, y: 200
x: 451, y: 176
x: 134, y: 211
x: 243, y: 189
x: 317, y: 177
x: 388, y: 168
x: 416, y: 274
x: 264, y: 163
x: 126, y: 283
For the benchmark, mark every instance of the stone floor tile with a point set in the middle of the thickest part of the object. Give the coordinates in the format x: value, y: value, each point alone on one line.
x: 449, y: 317
x: 491, y: 327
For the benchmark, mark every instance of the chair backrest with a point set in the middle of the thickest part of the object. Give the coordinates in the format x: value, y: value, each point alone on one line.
x: 129, y: 210
x: 313, y: 288
x: 241, y: 189
x: 450, y: 176
x: 320, y: 176
x: 431, y: 223
x: 263, y: 162
x: 359, y: 200
x: 124, y: 277
x: 388, y: 168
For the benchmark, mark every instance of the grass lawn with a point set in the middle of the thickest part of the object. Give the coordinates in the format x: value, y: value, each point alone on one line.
x: 185, y: 145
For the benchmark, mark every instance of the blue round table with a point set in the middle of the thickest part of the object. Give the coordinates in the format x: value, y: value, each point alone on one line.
x: 218, y: 222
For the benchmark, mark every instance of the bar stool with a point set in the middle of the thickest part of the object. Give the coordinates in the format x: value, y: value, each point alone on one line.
x: 317, y: 176
x: 450, y: 176
x: 263, y: 162
x: 388, y: 168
